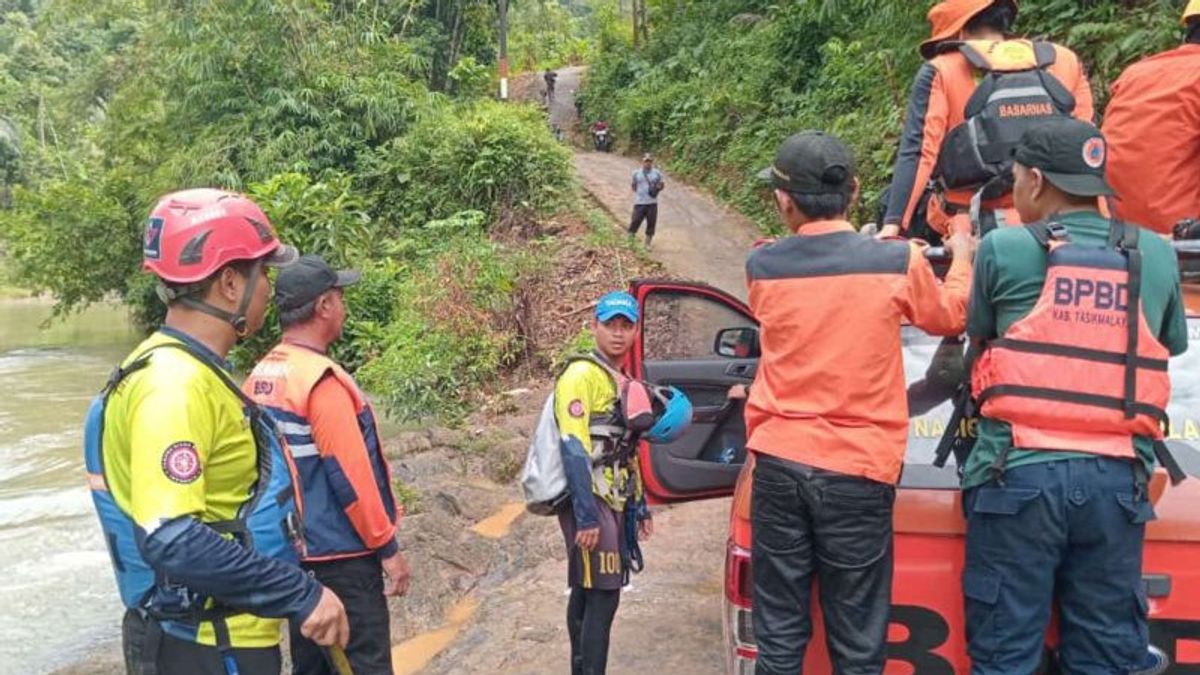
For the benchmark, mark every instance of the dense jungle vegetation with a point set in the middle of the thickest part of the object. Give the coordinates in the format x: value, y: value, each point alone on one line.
x: 369, y: 132
x: 366, y: 129
x: 721, y: 82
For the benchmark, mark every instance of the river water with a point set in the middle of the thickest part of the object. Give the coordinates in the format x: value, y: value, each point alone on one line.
x: 57, y: 594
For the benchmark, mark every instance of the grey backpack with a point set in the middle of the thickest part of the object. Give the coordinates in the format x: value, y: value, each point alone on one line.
x: 543, y: 479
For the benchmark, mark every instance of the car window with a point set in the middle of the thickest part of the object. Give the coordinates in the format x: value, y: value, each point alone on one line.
x: 933, y: 367
x: 682, y: 326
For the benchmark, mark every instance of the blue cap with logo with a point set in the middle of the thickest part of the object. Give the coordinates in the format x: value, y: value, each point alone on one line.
x: 617, y: 303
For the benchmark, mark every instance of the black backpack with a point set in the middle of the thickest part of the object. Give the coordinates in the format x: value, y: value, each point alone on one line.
x: 1010, y: 99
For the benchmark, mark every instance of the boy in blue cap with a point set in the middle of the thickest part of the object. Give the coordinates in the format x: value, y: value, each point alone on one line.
x: 602, y: 475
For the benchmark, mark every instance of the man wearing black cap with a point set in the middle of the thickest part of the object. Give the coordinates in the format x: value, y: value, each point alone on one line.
x: 350, y: 512
x: 1055, y: 488
x: 827, y: 417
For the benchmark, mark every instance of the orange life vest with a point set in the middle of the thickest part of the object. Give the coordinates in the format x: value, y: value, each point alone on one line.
x: 282, y: 383
x: 1082, y: 371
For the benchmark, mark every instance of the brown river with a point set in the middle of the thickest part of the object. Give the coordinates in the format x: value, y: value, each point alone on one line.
x: 57, y: 594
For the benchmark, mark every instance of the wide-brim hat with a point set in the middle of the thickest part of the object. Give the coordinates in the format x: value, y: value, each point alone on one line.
x: 1190, y: 12
x: 949, y: 17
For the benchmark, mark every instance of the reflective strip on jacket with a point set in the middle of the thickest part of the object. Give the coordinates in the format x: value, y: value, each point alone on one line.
x: 1058, y: 375
x: 936, y: 104
x: 349, y: 507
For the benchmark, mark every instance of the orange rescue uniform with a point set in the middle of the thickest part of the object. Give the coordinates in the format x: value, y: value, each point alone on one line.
x: 937, y: 101
x: 1152, y: 125
x: 349, y: 509
x: 830, y: 390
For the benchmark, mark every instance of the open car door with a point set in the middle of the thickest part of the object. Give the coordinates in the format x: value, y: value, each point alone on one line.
x: 703, y: 341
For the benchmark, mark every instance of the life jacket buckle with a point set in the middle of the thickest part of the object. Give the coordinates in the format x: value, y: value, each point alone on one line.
x: 1058, y: 231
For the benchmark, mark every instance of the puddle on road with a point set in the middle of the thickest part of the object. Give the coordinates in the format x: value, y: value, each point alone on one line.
x: 497, y: 525
x: 412, y: 655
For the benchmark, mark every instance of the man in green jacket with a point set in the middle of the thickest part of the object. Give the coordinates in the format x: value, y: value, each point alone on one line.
x: 1055, y: 488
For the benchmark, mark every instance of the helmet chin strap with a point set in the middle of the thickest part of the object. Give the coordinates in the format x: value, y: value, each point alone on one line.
x: 185, y: 296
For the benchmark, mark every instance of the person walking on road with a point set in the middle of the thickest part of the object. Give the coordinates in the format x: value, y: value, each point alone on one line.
x: 1067, y: 314
x: 1152, y: 124
x: 350, y: 510
x: 551, y: 79
x: 646, y: 183
x: 193, y: 489
x: 826, y: 418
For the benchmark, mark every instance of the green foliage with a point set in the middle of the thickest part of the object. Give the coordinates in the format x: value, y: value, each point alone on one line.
x: 408, y: 496
x: 583, y: 342
x: 486, y: 155
x: 471, y: 79
x: 73, y: 236
x: 722, y: 82
x: 325, y: 217
x: 450, y: 331
x: 549, y: 34
x: 333, y: 115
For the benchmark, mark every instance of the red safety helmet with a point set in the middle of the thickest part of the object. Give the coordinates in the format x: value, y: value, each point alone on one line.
x: 193, y: 233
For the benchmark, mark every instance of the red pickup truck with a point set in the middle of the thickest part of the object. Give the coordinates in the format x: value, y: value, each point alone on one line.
x: 712, y: 345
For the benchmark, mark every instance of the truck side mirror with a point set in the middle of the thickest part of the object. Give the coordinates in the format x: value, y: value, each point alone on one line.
x: 737, y: 343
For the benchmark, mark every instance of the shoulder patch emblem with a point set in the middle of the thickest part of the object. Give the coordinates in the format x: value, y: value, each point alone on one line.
x: 576, y: 408
x: 181, y: 462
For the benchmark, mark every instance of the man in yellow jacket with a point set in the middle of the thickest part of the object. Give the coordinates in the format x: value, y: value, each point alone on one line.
x: 586, y: 402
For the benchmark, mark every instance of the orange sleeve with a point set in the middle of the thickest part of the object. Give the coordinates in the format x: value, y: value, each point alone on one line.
x: 1085, y: 104
x: 937, y: 117
x: 937, y: 309
x: 339, y: 440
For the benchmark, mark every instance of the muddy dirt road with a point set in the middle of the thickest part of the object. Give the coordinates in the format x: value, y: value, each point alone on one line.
x: 670, y: 621
x: 697, y: 238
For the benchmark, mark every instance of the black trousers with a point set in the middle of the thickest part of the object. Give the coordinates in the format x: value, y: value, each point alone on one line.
x: 358, y: 582
x: 647, y: 213
x: 171, y: 656
x: 811, y: 523
x: 590, y: 614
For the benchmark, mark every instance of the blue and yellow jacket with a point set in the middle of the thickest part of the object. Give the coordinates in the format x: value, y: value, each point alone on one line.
x: 586, y: 401
x: 176, y: 452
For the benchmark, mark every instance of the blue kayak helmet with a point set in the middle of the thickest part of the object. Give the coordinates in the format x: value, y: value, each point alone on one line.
x: 673, y: 414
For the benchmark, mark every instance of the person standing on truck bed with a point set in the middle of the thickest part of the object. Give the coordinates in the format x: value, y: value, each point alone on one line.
x: 971, y: 100
x: 1073, y: 317
x: 826, y: 418
x: 1152, y: 124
